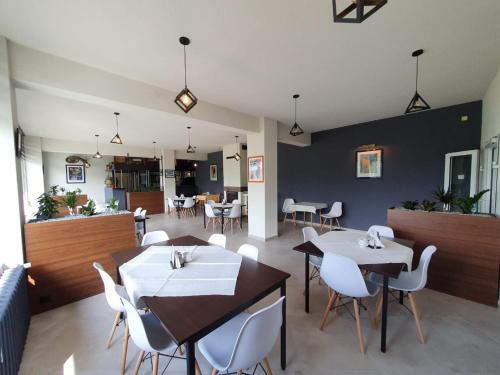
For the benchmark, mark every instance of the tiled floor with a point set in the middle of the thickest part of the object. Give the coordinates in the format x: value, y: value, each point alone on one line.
x: 462, y: 337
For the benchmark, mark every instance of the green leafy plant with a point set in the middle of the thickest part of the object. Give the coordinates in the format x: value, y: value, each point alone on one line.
x: 446, y: 197
x: 113, y: 204
x: 469, y: 204
x: 48, y: 206
x: 410, y: 205
x: 89, y: 208
x: 427, y: 205
x: 70, y: 199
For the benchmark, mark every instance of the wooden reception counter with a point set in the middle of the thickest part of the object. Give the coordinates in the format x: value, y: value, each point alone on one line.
x: 152, y: 201
x: 61, y: 253
x: 467, y: 261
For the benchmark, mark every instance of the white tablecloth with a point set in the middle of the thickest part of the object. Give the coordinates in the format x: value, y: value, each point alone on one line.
x: 212, y: 270
x: 346, y: 243
x: 307, y: 207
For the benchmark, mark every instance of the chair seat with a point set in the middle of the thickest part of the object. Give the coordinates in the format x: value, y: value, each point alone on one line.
x: 372, y: 288
x: 158, y: 338
x: 217, y: 346
x: 328, y: 216
x: 315, y: 261
x: 407, y: 281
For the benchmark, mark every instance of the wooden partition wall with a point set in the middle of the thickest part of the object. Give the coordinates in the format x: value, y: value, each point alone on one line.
x: 152, y: 201
x: 467, y: 261
x: 61, y: 254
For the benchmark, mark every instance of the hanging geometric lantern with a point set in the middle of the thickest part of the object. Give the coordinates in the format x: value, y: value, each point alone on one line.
x: 185, y: 99
x: 417, y: 103
x: 362, y: 10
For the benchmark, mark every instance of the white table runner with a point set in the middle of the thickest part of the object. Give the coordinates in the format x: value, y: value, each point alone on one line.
x: 346, y: 243
x: 213, y: 270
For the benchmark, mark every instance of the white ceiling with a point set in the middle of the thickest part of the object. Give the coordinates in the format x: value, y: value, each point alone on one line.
x: 251, y: 56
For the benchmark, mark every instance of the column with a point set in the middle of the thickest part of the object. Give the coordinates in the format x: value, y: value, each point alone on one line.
x: 263, y: 196
x: 168, y: 183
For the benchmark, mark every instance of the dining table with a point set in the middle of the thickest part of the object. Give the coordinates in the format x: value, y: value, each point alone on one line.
x: 305, y: 207
x: 179, y: 203
x: 187, y: 319
x: 388, y: 262
x: 223, y: 207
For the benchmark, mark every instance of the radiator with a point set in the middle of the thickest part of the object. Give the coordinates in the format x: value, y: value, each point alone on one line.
x: 14, y: 319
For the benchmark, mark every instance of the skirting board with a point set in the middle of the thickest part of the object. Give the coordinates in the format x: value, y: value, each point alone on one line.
x: 262, y: 238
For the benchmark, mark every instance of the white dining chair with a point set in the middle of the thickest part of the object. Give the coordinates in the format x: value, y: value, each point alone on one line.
x: 310, y: 234
x: 409, y: 282
x: 211, y: 202
x: 114, y: 294
x: 218, y: 240
x: 154, y: 237
x: 187, y: 207
x: 286, y: 207
x: 249, y: 251
x: 150, y: 337
x: 171, y: 206
x: 233, y: 215
x: 245, y: 341
x: 211, y: 215
x: 382, y: 230
x: 137, y: 211
x: 236, y: 201
x: 139, y: 226
x: 344, y: 277
x: 335, y: 213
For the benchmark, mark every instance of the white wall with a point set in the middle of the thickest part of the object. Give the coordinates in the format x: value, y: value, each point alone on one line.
x: 33, y: 175
x: 54, y: 166
x: 235, y: 173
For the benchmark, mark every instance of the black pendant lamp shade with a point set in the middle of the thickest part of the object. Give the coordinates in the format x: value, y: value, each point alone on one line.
x: 357, y: 11
x: 185, y: 99
x: 97, y: 155
x: 417, y: 103
x: 296, y: 129
x: 116, y: 139
x: 190, y: 149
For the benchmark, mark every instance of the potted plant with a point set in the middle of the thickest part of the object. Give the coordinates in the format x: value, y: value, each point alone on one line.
x: 48, y: 206
x: 445, y: 197
x: 70, y: 199
x: 410, y: 205
x: 113, y: 204
x: 427, y: 205
x: 89, y: 208
x: 469, y: 204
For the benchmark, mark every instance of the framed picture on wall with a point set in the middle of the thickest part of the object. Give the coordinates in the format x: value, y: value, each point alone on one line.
x: 169, y: 173
x: 213, y: 172
x: 369, y: 164
x: 75, y: 174
x: 255, y: 169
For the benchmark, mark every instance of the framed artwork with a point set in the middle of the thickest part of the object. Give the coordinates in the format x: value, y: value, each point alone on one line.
x: 255, y: 169
x: 169, y: 173
x: 369, y: 164
x: 213, y: 172
x: 75, y: 174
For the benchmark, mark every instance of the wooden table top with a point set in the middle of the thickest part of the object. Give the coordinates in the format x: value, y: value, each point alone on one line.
x: 191, y: 318
x: 385, y: 269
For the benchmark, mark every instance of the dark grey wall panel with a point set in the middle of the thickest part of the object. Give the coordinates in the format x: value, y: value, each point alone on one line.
x: 203, y: 174
x: 413, y: 162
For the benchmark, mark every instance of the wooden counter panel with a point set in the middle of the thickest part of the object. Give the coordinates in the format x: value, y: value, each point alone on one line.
x: 467, y: 262
x: 153, y: 202
x: 62, y: 252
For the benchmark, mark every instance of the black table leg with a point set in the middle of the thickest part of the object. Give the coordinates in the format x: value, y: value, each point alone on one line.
x: 283, y: 328
x: 119, y: 282
x: 195, y: 209
x: 222, y: 226
x: 306, y: 275
x: 401, y: 297
x: 190, y: 358
x: 204, y: 217
x: 241, y: 217
x: 144, y: 226
x: 384, y: 314
x: 178, y: 212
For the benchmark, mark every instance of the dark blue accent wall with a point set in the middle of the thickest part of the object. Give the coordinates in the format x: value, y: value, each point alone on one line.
x: 203, y: 174
x: 414, y: 148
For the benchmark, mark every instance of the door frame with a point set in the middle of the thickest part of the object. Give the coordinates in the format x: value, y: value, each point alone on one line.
x: 474, y: 178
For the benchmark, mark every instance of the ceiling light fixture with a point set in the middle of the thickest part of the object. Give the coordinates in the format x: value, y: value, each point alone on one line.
x: 97, y: 155
x: 190, y: 149
x: 185, y: 99
x: 116, y: 139
x: 236, y: 155
x: 360, y: 7
x: 154, y: 151
x: 296, y: 129
x: 417, y: 103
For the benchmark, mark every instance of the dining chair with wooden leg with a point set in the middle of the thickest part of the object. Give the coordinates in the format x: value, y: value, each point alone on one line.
x: 211, y: 215
x: 344, y: 277
x: 335, y: 213
x: 286, y: 207
x: 409, y: 283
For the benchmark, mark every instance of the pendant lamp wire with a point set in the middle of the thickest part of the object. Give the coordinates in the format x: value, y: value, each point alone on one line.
x: 185, y: 68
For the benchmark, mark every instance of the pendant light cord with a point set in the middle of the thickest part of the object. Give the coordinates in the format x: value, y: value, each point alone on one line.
x: 185, y: 68
x: 116, y: 119
x: 97, y: 142
x: 295, y: 110
x: 416, y: 78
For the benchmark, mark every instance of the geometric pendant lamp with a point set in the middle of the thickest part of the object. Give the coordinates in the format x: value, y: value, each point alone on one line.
x: 185, y: 99
x: 417, y: 103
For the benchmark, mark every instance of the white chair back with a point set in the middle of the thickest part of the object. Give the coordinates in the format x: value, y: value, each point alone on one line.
x: 336, y: 210
x: 209, y: 211
x: 236, y: 201
x: 309, y: 234
x: 287, y: 202
x: 154, y: 237
x: 211, y: 202
x: 171, y: 203
x: 235, y: 211
x: 383, y: 231
x: 218, y: 239
x: 342, y: 274
x: 137, y: 211
x: 188, y: 203
x: 143, y: 213
x: 420, y: 273
x: 257, y: 337
x: 249, y: 251
x: 112, y: 296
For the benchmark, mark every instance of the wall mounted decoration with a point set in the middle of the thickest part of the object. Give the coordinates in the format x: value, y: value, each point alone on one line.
x: 75, y: 174
x: 185, y: 99
x: 73, y: 159
x: 296, y: 129
x: 169, y: 173
x: 213, y: 172
x: 369, y: 164
x: 362, y: 10
x: 255, y: 169
x: 417, y: 103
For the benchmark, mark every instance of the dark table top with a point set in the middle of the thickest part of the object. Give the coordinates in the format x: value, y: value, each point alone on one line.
x: 191, y: 318
x: 385, y: 269
x: 139, y: 218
